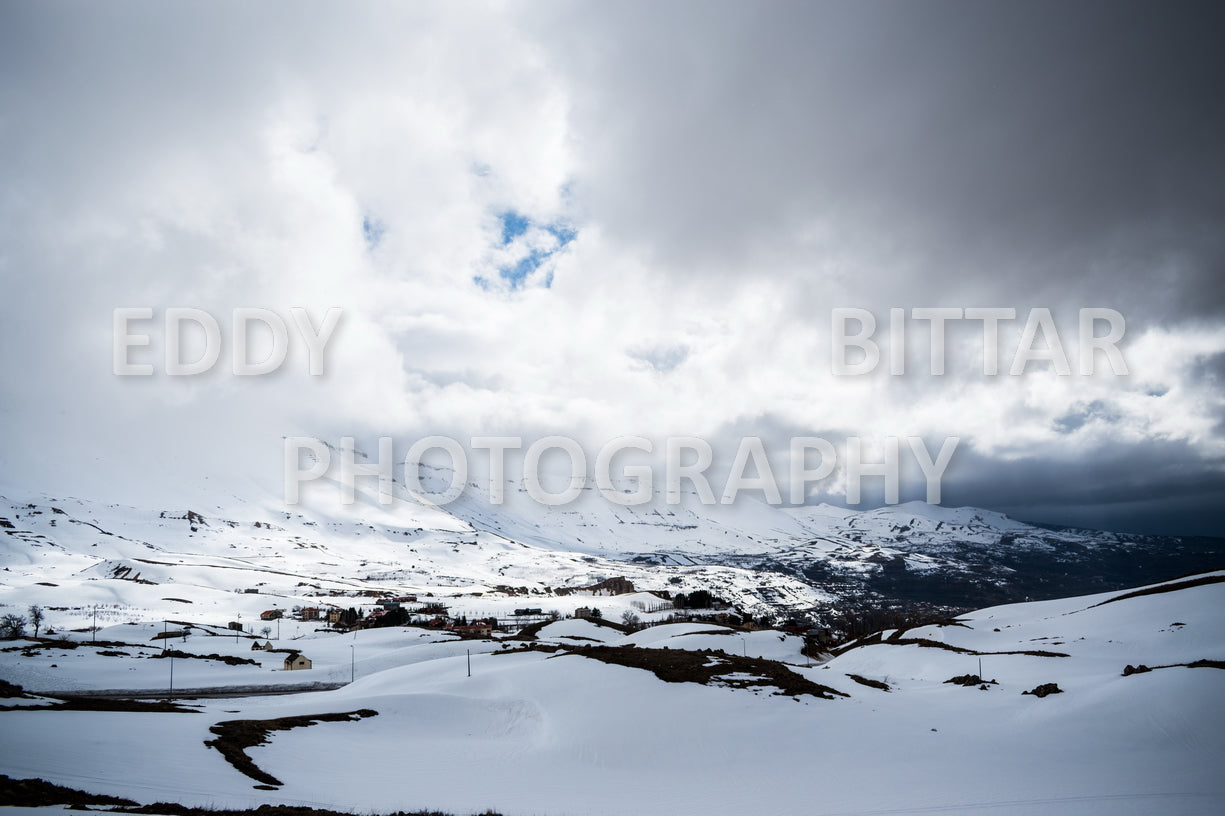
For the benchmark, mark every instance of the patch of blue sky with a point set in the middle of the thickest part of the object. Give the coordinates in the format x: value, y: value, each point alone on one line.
x: 517, y: 273
x: 563, y: 233
x: 373, y: 231
x: 515, y: 225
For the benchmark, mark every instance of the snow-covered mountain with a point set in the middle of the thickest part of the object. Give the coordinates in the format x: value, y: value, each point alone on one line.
x: 152, y: 562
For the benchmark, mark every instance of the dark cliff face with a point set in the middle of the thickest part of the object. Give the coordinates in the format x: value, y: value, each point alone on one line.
x: 990, y: 575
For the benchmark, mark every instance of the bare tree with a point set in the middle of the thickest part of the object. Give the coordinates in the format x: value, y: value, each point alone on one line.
x: 12, y: 626
x: 265, y: 631
x: 631, y: 620
x: 36, y: 618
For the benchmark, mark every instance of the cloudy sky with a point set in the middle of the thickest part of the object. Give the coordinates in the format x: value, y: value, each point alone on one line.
x: 603, y: 219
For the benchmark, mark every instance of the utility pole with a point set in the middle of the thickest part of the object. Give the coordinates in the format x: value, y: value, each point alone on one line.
x: 278, y: 628
x: 166, y: 637
x: 238, y: 631
x: 94, y: 636
x: 352, y: 664
x: 172, y: 677
x: 469, y: 662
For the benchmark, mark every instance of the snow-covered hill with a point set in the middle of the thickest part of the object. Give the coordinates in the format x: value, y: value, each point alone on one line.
x: 70, y: 555
x: 149, y: 563
x: 683, y: 719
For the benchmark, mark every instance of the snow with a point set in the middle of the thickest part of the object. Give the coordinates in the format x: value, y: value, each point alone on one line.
x: 697, y: 637
x: 538, y: 733
x: 534, y: 733
x: 135, y: 563
x: 578, y: 630
x: 180, y: 562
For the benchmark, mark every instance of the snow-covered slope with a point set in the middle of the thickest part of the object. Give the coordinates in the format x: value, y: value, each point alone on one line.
x: 563, y: 728
x: 70, y: 555
x: 152, y: 563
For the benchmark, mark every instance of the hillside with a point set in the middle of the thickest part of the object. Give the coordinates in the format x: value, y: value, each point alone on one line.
x: 149, y: 563
x: 585, y: 719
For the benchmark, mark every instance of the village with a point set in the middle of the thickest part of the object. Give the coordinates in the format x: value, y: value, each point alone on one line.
x: 647, y: 609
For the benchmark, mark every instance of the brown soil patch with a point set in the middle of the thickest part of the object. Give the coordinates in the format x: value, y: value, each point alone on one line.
x: 1044, y: 690
x: 864, y: 681
x: 1157, y: 590
x: 39, y: 793
x: 875, y: 640
x: 229, y: 660
x: 1129, y: 670
x: 711, y: 668
x: 106, y: 704
x: 234, y: 737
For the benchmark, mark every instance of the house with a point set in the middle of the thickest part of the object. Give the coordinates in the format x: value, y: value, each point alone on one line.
x: 266, y: 646
x: 389, y: 603
x: 525, y: 612
x: 479, y: 629
x: 270, y: 614
x: 310, y: 613
x: 820, y: 635
x: 335, y: 614
x: 234, y: 626
x: 296, y: 661
x: 584, y: 612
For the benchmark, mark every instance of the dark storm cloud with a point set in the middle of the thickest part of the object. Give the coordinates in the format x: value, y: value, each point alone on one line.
x: 1021, y: 150
x: 1210, y: 369
x: 936, y: 153
x: 1166, y: 487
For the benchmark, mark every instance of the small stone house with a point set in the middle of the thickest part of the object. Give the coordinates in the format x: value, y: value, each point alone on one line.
x: 295, y: 662
x: 266, y: 646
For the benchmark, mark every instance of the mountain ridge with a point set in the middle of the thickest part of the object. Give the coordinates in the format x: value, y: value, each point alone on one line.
x: 766, y: 561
